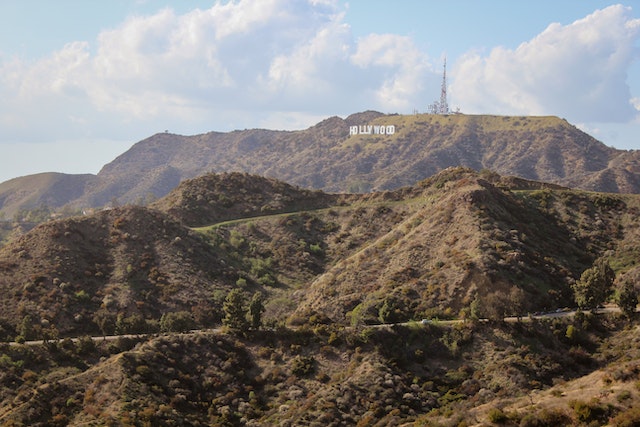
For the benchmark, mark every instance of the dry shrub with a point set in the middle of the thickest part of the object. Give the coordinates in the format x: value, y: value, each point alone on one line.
x: 628, y: 418
x: 546, y: 418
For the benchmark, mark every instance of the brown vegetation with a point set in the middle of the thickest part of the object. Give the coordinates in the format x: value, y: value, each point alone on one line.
x: 326, y: 157
x: 461, y: 244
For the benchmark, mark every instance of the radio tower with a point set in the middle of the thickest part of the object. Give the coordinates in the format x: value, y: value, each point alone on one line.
x: 444, y: 106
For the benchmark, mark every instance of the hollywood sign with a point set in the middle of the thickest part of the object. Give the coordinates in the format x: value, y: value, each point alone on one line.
x: 372, y: 130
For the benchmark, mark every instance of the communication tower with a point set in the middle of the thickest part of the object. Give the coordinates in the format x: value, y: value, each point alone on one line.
x: 442, y: 106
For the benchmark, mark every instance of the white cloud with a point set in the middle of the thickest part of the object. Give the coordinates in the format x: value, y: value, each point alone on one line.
x: 576, y: 71
x: 392, y: 52
x: 287, y: 63
x: 248, y: 55
x: 254, y: 58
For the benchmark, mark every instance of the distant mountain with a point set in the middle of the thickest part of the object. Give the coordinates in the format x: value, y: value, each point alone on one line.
x: 332, y: 157
x: 51, y: 189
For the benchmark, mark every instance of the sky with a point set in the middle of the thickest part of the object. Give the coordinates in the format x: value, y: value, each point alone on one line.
x: 81, y: 82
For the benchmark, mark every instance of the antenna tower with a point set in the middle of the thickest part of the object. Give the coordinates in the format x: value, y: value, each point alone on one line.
x: 441, y: 106
x: 444, y: 106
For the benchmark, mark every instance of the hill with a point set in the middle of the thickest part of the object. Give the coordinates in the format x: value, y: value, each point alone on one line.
x: 130, y: 262
x: 214, y: 198
x: 329, y: 157
x: 326, y: 156
x: 432, y: 249
x: 459, y: 244
x: 49, y: 189
x: 419, y: 375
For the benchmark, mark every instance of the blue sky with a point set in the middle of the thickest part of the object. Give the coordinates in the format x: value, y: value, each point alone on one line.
x: 83, y: 81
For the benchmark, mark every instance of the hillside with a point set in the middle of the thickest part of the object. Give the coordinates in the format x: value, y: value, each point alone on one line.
x: 129, y: 262
x: 327, y: 157
x: 51, y: 189
x: 472, y: 375
x: 214, y: 198
x: 432, y: 249
x: 459, y: 244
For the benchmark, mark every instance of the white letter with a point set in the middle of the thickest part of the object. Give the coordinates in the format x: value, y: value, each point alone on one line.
x: 353, y: 130
x: 391, y: 130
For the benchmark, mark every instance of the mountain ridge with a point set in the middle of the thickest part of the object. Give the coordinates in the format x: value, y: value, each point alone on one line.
x: 327, y: 157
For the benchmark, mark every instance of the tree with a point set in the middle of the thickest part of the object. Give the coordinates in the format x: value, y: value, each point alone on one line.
x: 234, y: 311
x: 134, y: 324
x: 256, y: 308
x: 26, y: 329
x: 517, y: 299
x: 178, y: 321
x: 106, y: 321
x: 389, y: 312
x: 627, y: 298
x: 495, y: 305
x: 594, y: 285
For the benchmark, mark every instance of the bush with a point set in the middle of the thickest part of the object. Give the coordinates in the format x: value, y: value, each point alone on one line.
x: 179, y: 321
x: 316, y: 249
x: 303, y: 365
x: 623, y: 395
x: 134, y: 324
x: 628, y: 418
x: 82, y: 296
x: 85, y: 345
x: 546, y: 418
x: 497, y: 416
x: 587, y: 412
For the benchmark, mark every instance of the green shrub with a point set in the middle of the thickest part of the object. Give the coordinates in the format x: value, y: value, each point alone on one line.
x: 623, y: 395
x: 497, y: 416
x: 571, y: 332
x: 236, y: 239
x: 179, y: 321
x: 303, y: 365
x: 267, y: 280
x: 316, y: 249
x: 587, y: 412
x: 85, y: 345
x: 546, y: 418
